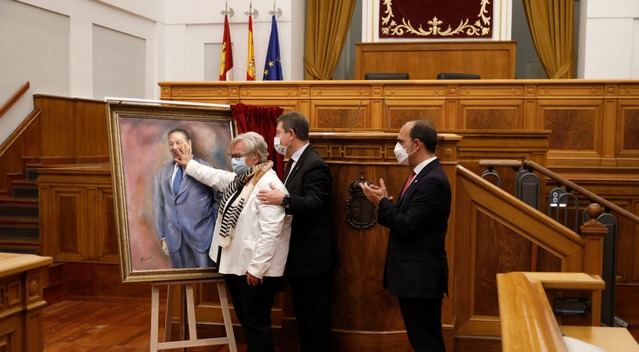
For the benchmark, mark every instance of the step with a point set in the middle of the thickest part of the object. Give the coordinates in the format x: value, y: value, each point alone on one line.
x: 19, y: 206
x: 20, y: 246
x: 24, y: 189
x: 21, y: 228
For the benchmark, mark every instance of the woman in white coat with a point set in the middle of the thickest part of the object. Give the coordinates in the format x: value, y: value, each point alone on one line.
x: 250, y: 240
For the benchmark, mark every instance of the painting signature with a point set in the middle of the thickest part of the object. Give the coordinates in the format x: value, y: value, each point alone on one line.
x: 145, y: 259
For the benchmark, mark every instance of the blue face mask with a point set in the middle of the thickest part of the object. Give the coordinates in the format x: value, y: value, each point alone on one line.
x: 239, y: 165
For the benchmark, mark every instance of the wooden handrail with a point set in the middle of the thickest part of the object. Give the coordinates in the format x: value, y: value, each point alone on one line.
x: 534, y: 224
x: 593, y: 197
x: 14, y: 98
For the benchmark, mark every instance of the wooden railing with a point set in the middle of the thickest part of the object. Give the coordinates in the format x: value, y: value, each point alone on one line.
x: 14, y: 98
x: 569, y: 185
x: 528, y: 323
x: 570, y: 200
x: 496, y: 232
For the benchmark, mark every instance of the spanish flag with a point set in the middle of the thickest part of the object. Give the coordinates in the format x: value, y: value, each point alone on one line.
x: 250, y: 61
x: 226, y: 55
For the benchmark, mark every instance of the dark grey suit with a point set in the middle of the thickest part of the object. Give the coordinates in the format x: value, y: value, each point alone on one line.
x: 184, y: 219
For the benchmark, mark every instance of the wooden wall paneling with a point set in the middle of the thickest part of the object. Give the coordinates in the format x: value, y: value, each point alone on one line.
x: 404, y: 102
x: 340, y: 115
x: 577, y: 130
x: 453, y: 115
x: 64, y: 222
x: 498, y: 250
x: 491, y: 107
x: 608, y: 152
x: 397, y: 112
x: 530, y: 108
x: 538, y: 101
x: 204, y: 92
x: 75, y: 219
x: 627, y: 131
x: 57, y: 127
x: 425, y: 60
x: 90, y: 129
x: 491, y: 115
x: 107, y: 250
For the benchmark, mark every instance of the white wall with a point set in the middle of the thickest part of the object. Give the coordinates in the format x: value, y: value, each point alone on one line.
x: 192, y: 25
x: 35, y: 47
x: 50, y: 44
x: 119, y: 62
x: 54, y: 45
x: 609, y: 39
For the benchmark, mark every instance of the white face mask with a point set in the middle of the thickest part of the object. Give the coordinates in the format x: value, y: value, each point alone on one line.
x: 401, y: 154
x: 239, y: 165
x: 280, y: 149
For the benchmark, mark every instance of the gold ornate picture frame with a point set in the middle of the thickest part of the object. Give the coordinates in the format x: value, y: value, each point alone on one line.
x: 139, y: 150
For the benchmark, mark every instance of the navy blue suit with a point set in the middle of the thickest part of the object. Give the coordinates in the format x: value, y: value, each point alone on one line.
x: 416, y: 267
x: 184, y: 219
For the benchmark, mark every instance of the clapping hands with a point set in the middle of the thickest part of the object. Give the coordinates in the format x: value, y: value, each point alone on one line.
x: 375, y: 193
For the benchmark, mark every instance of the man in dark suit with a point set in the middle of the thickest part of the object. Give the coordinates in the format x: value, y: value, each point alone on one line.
x: 184, y: 210
x: 416, y: 268
x: 309, y: 264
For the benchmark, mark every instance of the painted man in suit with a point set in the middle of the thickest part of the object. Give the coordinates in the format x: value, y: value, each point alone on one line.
x: 416, y: 268
x: 184, y: 210
x: 310, y: 258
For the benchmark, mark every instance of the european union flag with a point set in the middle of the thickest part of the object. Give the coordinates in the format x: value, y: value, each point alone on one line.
x: 273, y: 66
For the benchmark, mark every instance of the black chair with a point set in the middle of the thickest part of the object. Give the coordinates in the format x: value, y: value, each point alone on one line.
x: 385, y: 75
x: 447, y: 75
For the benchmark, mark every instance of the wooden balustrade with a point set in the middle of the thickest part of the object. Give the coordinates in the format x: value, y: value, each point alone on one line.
x: 14, y: 98
x: 529, y: 325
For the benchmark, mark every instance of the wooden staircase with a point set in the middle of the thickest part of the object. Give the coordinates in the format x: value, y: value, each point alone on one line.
x: 19, y: 215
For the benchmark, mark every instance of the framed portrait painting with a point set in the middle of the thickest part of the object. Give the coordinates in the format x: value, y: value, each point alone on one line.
x: 164, y: 218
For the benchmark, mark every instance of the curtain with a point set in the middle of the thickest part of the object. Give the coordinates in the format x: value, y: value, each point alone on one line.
x: 551, y: 24
x: 263, y: 120
x: 327, y: 23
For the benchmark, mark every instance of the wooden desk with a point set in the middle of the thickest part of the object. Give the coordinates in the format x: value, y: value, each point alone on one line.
x: 610, y: 339
x: 528, y: 324
x: 574, y: 281
x: 21, y: 301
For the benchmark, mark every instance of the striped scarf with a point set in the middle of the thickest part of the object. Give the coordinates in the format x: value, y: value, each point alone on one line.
x: 234, y: 199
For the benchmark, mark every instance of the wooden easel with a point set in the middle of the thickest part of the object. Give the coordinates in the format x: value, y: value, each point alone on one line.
x: 193, y: 341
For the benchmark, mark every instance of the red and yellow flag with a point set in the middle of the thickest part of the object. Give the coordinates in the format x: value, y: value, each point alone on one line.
x: 226, y: 55
x: 250, y: 61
